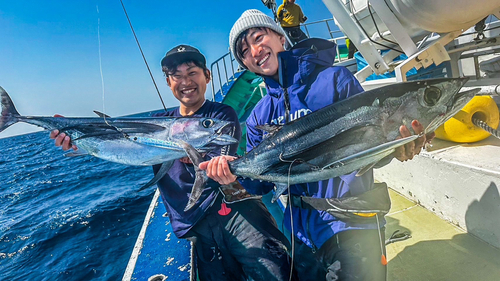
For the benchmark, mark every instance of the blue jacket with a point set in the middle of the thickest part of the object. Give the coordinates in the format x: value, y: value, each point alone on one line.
x: 313, y: 83
x: 176, y: 186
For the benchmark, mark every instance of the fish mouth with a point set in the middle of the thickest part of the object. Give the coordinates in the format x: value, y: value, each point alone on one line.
x: 222, y: 135
x: 462, y: 98
x: 455, y: 104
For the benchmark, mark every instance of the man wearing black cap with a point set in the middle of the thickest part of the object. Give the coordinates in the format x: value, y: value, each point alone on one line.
x: 237, y: 241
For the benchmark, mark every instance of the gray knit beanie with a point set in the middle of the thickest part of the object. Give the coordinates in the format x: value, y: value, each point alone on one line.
x: 249, y: 19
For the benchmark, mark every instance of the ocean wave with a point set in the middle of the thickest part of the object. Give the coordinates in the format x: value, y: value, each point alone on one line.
x: 66, y: 218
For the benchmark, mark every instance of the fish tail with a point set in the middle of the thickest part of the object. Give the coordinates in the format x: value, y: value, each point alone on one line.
x: 9, y: 112
x: 200, y: 178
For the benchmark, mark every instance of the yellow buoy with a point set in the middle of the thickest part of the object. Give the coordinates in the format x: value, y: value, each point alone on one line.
x: 461, y: 129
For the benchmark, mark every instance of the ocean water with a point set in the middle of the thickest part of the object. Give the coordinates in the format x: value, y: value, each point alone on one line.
x: 66, y: 218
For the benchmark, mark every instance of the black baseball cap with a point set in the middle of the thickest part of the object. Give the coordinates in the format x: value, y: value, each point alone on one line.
x: 183, y: 53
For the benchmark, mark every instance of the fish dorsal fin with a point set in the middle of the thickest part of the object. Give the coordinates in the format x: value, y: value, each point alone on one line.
x: 309, y: 152
x: 373, y: 154
x: 102, y: 115
x: 376, y: 103
x: 114, y: 129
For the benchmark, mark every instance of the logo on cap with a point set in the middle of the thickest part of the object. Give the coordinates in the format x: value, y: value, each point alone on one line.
x: 181, y: 49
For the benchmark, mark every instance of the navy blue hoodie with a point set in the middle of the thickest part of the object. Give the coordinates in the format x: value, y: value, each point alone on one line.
x: 314, y: 83
x: 175, y: 187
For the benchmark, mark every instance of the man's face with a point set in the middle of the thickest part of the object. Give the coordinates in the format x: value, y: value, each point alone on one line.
x: 188, y: 84
x: 260, y: 51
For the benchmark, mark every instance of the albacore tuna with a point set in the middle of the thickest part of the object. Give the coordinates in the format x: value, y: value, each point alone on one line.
x: 349, y: 135
x: 131, y: 141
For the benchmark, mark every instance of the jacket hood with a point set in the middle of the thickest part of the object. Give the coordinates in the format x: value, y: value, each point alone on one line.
x: 297, y: 65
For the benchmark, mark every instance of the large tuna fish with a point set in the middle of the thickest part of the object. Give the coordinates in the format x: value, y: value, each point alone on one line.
x: 131, y: 141
x: 349, y: 135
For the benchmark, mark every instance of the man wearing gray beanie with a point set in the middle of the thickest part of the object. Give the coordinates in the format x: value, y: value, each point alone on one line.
x: 300, y: 81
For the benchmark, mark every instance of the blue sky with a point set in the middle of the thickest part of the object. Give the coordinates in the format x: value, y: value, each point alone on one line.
x: 49, y: 50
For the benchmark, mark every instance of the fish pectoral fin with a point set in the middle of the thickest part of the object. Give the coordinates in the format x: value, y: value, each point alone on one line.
x: 102, y: 115
x: 192, y: 153
x: 76, y: 153
x: 373, y: 154
x: 316, y: 148
x: 365, y: 169
x: 165, y: 167
x: 200, y: 175
x: 280, y: 188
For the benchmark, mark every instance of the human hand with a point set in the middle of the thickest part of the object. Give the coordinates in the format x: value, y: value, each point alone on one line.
x: 61, y: 139
x: 304, y: 18
x: 218, y: 169
x: 409, y: 150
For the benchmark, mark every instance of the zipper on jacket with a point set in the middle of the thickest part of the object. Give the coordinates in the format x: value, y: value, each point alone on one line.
x: 308, y: 231
x: 314, y: 248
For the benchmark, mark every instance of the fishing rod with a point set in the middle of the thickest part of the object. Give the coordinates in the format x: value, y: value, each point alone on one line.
x: 143, y: 57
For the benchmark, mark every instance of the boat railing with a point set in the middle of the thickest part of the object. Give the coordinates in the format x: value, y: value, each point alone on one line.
x: 335, y: 35
x: 223, y: 70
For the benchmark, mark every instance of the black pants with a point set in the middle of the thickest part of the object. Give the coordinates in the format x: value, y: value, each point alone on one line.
x: 349, y: 255
x: 295, y: 34
x: 243, y: 245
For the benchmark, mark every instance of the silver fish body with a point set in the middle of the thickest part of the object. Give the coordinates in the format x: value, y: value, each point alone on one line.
x: 353, y: 133
x: 131, y: 141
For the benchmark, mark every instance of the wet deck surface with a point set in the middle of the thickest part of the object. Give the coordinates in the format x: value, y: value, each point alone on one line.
x: 437, y: 250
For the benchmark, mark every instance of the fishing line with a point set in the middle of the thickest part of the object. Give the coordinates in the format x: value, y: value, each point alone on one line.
x: 143, y: 57
x: 291, y: 220
x: 102, y: 76
x: 100, y: 63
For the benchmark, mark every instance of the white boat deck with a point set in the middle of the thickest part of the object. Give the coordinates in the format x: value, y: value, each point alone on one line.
x: 448, y: 199
x: 458, y: 182
x: 437, y: 250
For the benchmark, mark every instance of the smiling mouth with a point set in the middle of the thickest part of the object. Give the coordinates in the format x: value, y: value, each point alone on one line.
x: 263, y: 60
x: 188, y: 91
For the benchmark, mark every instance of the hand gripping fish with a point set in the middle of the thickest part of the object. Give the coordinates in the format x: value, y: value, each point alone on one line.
x: 351, y: 134
x: 131, y: 141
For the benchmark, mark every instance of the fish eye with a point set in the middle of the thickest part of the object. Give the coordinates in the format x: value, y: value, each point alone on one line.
x: 207, y: 123
x: 432, y: 95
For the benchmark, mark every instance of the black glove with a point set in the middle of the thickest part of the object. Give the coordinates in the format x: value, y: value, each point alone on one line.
x: 280, y: 14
